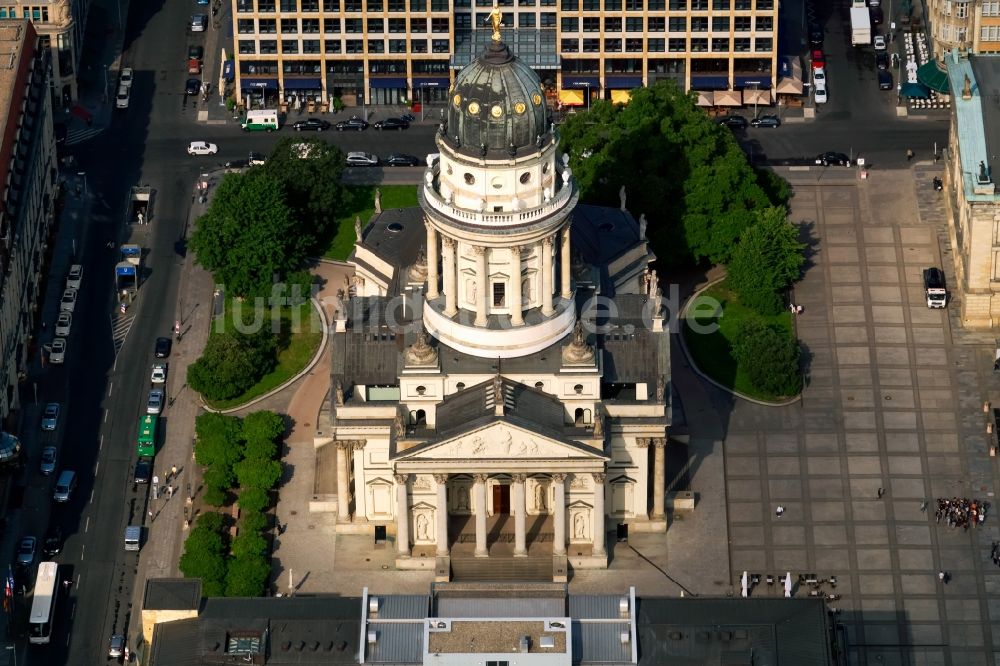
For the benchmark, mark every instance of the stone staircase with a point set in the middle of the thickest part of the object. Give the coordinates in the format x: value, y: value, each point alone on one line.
x: 506, y: 569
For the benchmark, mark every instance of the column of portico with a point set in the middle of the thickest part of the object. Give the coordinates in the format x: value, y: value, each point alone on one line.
x: 402, y: 515
x: 559, y: 547
x: 343, y: 483
x: 517, y: 497
x: 441, y: 514
x: 432, y: 262
x: 516, y: 316
x: 659, y: 475
x: 479, y: 500
x: 599, y: 478
x: 481, y: 285
x: 450, y: 278
x: 564, y: 262
x: 547, y: 276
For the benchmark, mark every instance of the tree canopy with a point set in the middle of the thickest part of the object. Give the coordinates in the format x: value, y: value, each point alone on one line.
x: 767, y: 260
x: 682, y: 170
x: 249, y: 234
x: 231, y: 363
x: 770, y: 357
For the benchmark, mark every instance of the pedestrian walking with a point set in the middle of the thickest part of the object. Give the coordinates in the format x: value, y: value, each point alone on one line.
x: 923, y: 506
x: 909, y: 154
x: 941, y: 576
x: 881, y: 491
x: 173, y: 471
x: 779, y: 511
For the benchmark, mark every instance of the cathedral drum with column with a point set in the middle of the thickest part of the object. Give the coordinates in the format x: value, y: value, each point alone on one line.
x: 492, y: 420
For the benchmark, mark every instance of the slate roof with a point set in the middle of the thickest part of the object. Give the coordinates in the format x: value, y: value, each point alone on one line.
x: 395, y: 236
x: 172, y: 594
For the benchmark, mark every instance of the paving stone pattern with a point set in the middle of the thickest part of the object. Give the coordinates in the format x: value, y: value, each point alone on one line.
x: 894, y: 401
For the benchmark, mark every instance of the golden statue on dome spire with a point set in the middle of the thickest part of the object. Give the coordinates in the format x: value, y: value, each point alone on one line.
x: 495, y: 17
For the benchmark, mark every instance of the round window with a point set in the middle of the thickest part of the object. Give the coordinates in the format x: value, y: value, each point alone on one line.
x: 539, y: 385
x: 578, y: 388
x: 474, y: 108
x: 525, y: 178
x: 421, y: 390
x: 470, y: 179
x: 497, y: 183
x: 460, y: 386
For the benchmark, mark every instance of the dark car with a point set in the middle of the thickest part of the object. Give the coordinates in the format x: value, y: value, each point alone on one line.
x: 403, y: 160
x: 355, y: 124
x: 830, y: 157
x: 52, y: 544
x: 195, y: 52
x: 882, y: 60
x: 143, y: 470
x: 162, y: 348
x: 884, y: 80
x: 765, y: 121
x: 192, y: 87
x: 734, y: 121
x: 815, y: 35
x: 877, y: 16
x: 313, y: 124
x: 234, y: 165
x: 392, y: 124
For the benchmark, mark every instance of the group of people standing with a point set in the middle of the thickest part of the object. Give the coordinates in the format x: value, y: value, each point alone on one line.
x: 961, y: 511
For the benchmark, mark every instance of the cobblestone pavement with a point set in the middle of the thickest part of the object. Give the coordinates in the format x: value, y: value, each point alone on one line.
x: 894, y: 402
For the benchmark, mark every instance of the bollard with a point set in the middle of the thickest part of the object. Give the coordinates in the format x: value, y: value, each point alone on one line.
x: 986, y: 407
x: 187, y: 524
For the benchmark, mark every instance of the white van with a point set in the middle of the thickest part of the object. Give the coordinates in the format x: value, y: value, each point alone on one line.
x: 133, y: 537
x: 64, y: 486
x: 265, y: 119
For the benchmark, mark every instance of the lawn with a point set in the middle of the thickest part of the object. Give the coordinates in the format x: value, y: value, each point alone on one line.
x: 296, y: 347
x: 360, y: 202
x: 711, y: 351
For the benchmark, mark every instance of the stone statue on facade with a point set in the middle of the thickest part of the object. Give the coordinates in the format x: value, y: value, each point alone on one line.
x: 421, y: 352
x: 578, y: 351
x: 495, y: 18
x: 498, y: 390
x: 621, y: 197
x: 378, y: 200
x: 642, y: 226
x: 661, y: 389
x: 399, y: 426
x: 338, y: 395
x: 357, y: 227
x: 598, y: 425
x: 418, y: 271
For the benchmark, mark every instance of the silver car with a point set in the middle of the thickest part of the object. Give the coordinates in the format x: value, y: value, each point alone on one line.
x: 57, y: 351
x: 50, y: 417
x: 64, y: 323
x: 50, y: 458
x: 359, y: 158
x: 68, y: 301
x: 154, y: 405
x: 26, y: 551
x: 116, y: 647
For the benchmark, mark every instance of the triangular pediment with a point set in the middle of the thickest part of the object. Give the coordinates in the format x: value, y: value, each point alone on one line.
x: 501, y: 441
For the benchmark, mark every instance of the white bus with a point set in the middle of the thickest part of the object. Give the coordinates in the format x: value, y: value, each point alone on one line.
x: 43, y: 603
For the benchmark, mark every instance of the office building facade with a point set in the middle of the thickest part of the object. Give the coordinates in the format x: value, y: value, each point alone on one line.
x: 395, y: 51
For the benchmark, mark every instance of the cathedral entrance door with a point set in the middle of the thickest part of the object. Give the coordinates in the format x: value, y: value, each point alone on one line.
x: 501, y: 499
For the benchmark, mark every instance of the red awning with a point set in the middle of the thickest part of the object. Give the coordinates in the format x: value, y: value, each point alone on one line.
x: 81, y: 113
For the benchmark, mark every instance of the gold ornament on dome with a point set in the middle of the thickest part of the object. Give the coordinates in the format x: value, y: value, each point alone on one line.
x: 519, y: 108
x: 536, y: 99
x: 496, y: 111
x: 473, y: 108
x: 456, y: 100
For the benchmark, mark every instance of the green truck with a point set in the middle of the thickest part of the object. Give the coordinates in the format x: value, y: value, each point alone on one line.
x: 147, y: 435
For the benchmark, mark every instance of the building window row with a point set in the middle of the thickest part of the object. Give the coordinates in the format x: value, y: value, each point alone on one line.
x: 660, y: 5
x: 660, y: 24
x: 990, y: 33
x: 338, y: 6
x: 674, y: 45
x: 335, y: 26
x: 991, y: 8
x: 39, y: 14
x: 334, y: 46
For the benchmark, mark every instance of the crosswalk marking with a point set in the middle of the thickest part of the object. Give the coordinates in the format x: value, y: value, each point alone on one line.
x: 120, y: 325
x: 77, y: 136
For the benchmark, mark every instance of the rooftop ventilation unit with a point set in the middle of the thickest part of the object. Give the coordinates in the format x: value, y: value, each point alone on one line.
x: 548, y: 642
x: 373, y: 605
x: 372, y: 636
x: 624, y: 637
x: 524, y: 643
x: 623, y: 605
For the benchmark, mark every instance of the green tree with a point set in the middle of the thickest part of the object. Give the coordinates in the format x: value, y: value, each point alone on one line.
x: 257, y: 473
x: 254, y: 499
x: 765, y: 263
x: 218, y: 479
x: 212, y: 522
x: 203, y: 555
x: 251, y: 521
x: 697, y: 190
x: 249, y: 234
x: 248, y: 543
x: 231, y: 363
x: 312, y: 184
x: 218, y: 439
x: 247, y: 576
x: 262, y: 427
x: 770, y: 357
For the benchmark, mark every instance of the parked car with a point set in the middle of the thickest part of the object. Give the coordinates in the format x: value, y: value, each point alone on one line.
x: 819, y: 77
x: 392, y: 124
x: 818, y: 58
x: 50, y: 457
x: 765, y: 121
x: 162, y: 347
x: 52, y: 544
x: 74, y: 277
x: 159, y: 373
x: 830, y: 157
x: 815, y: 34
x: 50, y: 417
x: 313, y: 124
x: 877, y: 16
x: 884, y: 80
x: 125, y: 77
x: 734, y: 120
x: 192, y: 87
x: 68, y: 301
x: 196, y: 51
x: 819, y: 94
x: 403, y: 160
x: 199, y: 22
x: 881, y: 60
x: 26, y: 551
x: 356, y: 124
x: 154, y: 404
x: 64, y: 322
x: 879, y: 42
x: 143, y: 470
x: 122, y: 98
x: 359, y: 158
x: 116, y: 647
x: 202, y: 148
x: 194, y: 66
x: 256, y: 159
x: 57, y: 351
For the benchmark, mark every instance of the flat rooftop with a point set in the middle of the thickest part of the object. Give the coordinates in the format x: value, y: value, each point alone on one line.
x: 495, y: 636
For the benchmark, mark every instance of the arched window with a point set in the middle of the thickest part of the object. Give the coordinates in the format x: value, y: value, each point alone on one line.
x: 578, y: 416
x: 421, y: 417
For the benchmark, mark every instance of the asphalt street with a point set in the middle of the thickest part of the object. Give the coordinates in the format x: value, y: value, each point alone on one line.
x: 104, y: 395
